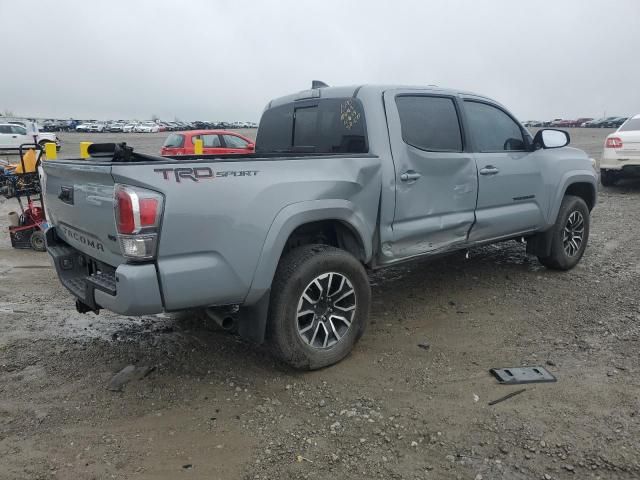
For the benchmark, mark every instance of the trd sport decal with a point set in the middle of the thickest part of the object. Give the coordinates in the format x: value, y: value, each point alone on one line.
x: 195, y: 174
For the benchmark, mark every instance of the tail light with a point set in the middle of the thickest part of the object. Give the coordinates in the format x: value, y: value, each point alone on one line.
x: 138, y: 213
x: 613, y: 142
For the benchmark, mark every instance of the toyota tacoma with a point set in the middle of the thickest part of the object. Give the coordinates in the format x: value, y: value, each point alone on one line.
x: 343, y: 180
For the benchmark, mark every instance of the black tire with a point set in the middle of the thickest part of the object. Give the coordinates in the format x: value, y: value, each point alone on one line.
x: 37, y: 241
x: 560, y: 259
x: 608, y: 178
x: 294, y: 276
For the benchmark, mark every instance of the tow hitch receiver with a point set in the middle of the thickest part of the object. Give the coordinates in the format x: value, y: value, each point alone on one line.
x: 82, y: 307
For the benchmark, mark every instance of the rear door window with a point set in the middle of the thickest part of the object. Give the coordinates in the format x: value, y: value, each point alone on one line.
x: 5, y: 129
x: 430, y: 123
x: 332, y: 125
x: 492, y: 129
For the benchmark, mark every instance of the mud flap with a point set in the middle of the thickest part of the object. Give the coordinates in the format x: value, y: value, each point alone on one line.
x: 540, y: 244
x: 252, y: 319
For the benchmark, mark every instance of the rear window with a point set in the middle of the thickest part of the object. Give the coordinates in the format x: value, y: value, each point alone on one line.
x: 175, y: 140
x: 633, y: 124
x: 333, y: 125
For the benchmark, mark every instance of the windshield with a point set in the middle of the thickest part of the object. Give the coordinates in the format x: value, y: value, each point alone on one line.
x: 175, y: 140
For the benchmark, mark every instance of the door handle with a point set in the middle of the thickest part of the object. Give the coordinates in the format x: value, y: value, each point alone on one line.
x: 410, y: 176
x: 489, y: 170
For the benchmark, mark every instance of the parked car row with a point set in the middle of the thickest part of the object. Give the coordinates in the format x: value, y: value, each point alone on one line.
x: 135, y: 126
x: 609, y: 122
x: 584, y: 122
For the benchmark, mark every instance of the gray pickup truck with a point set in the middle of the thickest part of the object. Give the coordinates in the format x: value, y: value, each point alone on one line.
x: 343, y: 180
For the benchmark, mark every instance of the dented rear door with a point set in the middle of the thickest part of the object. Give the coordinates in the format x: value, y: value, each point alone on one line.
x: 436, y: 177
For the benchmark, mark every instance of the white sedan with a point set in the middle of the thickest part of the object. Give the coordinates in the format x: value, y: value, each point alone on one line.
x: 147, y: 127
x: 621, y: 156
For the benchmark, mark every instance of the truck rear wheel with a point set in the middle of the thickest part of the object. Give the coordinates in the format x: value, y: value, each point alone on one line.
x: 319, y: 307
x: 570, y: 235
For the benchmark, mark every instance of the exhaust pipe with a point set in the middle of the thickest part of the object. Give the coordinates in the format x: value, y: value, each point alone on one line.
x: 224, y: 318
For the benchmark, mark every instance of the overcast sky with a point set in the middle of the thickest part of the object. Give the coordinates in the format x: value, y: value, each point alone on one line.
x: 224, y: 60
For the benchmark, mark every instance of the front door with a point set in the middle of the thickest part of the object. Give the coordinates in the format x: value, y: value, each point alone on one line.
x: 436, y: 176
x: 510, y: 183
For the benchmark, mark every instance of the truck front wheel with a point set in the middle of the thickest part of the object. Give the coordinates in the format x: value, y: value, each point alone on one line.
x: 570, y: 235
x: 319, y: 307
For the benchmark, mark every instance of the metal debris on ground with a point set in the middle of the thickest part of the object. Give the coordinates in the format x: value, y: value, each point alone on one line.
x: 128, y: 373
x: 507, y: 396
x: 517, y: 375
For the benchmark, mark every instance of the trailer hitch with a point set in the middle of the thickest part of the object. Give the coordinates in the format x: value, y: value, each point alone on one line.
x: 82, y: 307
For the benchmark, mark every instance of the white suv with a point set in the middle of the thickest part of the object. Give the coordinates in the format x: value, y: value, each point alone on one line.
x: 621, y: 156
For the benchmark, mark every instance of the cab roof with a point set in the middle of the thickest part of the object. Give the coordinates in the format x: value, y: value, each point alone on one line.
x: 355, y: 90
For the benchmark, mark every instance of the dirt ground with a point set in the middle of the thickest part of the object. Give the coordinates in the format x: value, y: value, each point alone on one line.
x: 410, y: 402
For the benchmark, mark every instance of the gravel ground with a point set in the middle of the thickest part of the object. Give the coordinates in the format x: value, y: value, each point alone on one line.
x: 411, y: 401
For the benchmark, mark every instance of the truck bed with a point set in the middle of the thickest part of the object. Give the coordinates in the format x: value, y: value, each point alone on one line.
x: 222, y: 214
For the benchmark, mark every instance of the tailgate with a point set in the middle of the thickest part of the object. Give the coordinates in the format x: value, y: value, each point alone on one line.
x: 79, y: 204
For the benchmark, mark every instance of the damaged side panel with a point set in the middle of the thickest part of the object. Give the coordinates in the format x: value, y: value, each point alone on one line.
x: 436, y: 191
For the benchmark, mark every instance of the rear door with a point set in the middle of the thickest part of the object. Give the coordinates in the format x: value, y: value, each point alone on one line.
x: 235, y: 144
x: 211, y: 144
x: 511, y: 193
x: 436, y: 177
x: 79, y: 204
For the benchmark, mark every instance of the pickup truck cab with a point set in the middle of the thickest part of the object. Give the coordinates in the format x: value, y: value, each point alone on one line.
x: 343, y: 180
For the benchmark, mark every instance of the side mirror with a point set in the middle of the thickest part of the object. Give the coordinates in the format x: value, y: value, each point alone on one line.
x: 550, y: 138
x: 251, y: 146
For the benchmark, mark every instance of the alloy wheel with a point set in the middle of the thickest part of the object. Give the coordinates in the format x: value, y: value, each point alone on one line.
x: 326, y: 310
x: 573, y: 233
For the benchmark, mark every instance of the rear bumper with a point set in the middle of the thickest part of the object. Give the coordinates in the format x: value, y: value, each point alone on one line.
x: 625, y: 170
x: 618, y: 161
x: 127, y: 289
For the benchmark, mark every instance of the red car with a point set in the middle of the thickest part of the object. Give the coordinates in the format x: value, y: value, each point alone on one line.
x: 215, y: 142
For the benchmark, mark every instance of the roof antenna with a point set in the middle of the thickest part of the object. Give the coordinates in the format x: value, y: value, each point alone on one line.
x: 318, y: 84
